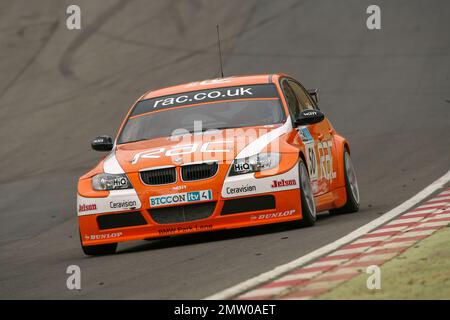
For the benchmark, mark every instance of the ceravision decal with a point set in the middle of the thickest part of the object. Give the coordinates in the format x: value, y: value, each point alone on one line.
x: 238, y: 190
x: 177, y: 198
x: 123, y: 204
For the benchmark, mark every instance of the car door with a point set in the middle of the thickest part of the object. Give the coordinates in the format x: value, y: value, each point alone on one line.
x: 318, y: 143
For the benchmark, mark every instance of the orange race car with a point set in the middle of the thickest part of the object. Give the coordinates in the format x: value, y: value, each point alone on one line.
x: 217, y: 154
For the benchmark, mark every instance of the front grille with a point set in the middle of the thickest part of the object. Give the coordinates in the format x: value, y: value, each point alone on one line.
x: 182, y: 213
x: 120, y: 220
x: 159, y: 176
x: 199, y: 171
x: 248, y: 204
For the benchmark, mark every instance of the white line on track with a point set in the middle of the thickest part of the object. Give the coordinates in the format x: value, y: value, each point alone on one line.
x: 277, y: 271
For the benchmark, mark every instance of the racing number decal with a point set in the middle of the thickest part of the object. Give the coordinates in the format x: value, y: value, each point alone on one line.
x: 325, y: 154
x: 312, y: 161
x: 311, y: 158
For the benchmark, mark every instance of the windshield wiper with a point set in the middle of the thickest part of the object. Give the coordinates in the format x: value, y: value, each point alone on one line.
x: 206, y: 129
x: 137, y: 140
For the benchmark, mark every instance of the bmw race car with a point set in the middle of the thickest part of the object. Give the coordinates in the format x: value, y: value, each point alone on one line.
x: 217, y: 154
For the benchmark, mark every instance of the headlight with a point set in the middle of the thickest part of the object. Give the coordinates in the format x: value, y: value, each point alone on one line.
x: 256, y: 163
x: 107, y: 181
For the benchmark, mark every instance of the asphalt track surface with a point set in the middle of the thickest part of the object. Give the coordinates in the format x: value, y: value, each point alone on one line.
x: 388, y: 91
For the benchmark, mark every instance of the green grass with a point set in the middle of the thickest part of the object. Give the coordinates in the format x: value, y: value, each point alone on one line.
x: 421, y: 272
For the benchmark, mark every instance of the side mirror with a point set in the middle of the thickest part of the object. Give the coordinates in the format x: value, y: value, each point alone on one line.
x: 102, y: 143
x: 309, y: 116
x: 314, y: 93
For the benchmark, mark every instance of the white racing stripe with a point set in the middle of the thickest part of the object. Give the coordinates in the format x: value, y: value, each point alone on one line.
x: 276, y: 272
x: 111, y: 165
x: 259, y: 144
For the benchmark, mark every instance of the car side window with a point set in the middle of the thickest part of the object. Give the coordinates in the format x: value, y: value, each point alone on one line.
x: 303, y: 99
x: 291, y: 99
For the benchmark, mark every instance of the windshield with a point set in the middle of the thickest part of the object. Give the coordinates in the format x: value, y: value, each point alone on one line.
x: 148, y: 121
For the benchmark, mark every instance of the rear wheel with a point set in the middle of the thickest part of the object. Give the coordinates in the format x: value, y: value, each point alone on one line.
x: 309, y: 216
x: 351, y: 188
x: 99, y: 250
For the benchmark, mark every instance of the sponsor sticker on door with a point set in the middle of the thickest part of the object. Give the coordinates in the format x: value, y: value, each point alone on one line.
x: 177, y: 198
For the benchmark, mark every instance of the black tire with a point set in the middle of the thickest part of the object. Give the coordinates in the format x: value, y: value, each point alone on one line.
x: 99, y: 250
x: 352, y: 204
x: 309, y: 215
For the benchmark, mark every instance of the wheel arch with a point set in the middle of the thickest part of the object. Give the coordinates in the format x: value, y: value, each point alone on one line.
x: 302, y: 156
x: 340, y: 146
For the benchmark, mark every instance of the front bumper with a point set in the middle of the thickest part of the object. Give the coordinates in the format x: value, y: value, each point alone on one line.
x: 287, y: 208
x: 235, y: 202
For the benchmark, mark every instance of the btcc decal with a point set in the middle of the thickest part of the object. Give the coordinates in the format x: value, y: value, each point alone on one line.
x: 188, y: 228
x: 179, y: 150
x: 273, y: 215
x: 117, y: 200
x: 242, y: 189
x: 202, y: 96
x: 185, y: 197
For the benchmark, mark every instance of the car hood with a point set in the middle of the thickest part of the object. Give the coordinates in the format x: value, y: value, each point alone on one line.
x: 221, y: 145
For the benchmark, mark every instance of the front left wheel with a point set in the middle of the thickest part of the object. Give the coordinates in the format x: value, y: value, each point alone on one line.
x: 309, y: 215
x: 99, y: 250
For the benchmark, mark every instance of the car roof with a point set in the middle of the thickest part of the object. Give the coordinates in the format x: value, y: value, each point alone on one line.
x: 213, y: 83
